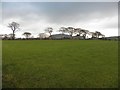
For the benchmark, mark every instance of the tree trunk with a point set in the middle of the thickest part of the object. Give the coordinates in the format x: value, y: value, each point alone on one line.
x: 50, y: 36
x: 71, y: 36
x: 13, y: 35
x: 62, y: 37
x: 84, y: 36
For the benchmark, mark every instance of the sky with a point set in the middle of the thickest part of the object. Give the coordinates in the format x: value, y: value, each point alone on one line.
x: 34, y: 17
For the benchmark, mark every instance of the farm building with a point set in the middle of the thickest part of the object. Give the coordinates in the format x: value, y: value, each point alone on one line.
x: 65, y: 36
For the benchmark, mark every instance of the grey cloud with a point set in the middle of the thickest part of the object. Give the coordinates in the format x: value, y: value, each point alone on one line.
x: 73, y: 12
x: 61, y: 12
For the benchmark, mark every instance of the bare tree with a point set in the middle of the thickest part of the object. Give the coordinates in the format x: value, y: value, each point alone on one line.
x: 49, y: 30
x: 14, y: 27
x: 27, y: 34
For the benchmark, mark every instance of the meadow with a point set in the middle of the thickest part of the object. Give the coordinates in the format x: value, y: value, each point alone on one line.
x: 60, y: 64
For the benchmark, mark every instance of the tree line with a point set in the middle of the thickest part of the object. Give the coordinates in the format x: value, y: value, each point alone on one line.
x: 14, y: 26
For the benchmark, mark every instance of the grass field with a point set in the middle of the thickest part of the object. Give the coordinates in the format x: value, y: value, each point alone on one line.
x: 60, y: 64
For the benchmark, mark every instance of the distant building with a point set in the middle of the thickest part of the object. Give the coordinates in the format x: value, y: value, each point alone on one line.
x: 78, y: 37
x: 60, y: 36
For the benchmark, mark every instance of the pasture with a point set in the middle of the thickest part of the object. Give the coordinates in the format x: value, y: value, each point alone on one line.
x: 60, y: 64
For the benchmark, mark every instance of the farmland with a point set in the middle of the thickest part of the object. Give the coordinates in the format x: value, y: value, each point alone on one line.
x: 60, y: 63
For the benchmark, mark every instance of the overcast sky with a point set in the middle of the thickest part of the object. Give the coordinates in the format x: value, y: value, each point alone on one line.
x: 34, y: 17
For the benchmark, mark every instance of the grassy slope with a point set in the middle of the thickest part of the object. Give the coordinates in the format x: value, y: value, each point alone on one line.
x: 65, y: 63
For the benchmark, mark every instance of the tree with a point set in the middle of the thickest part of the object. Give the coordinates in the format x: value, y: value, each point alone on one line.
x: 10, y: 35
x: 49, y: 30
x: 5, y: 36
x: 62, y: 29
x: 103, y: 36
x: 84, y: 32
x: 78, y: 30
x: 14, y: 27
x: 70, y: 30
x: 97, y: 33
x: 42, y: 35
x: 92, y: 34
x: 27, y: 34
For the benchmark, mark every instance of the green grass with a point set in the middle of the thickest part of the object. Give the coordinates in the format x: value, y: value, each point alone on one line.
x: 60, y: 64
